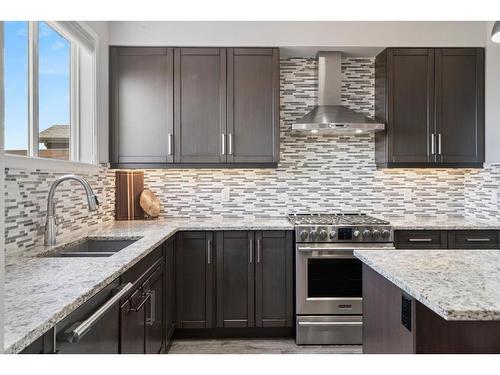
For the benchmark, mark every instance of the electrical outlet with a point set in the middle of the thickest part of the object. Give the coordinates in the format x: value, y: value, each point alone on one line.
x: 226, y: 194
x: 407, y: 194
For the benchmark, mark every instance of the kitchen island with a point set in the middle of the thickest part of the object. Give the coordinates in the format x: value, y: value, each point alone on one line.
x: 431, y: 301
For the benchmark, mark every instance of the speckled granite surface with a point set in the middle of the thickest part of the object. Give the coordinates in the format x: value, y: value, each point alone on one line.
x: 41, y: 291
x: 455, y: 284
x: 430, y: 223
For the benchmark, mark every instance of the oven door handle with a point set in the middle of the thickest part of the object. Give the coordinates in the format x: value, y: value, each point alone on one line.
x: 336, y: 324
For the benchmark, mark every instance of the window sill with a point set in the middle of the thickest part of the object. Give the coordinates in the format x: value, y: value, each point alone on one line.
x: 63, y: 166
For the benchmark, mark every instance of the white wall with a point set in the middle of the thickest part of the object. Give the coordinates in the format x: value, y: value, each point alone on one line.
x: 281, y: 34
x: 492, y: 98
x: 101, y: 28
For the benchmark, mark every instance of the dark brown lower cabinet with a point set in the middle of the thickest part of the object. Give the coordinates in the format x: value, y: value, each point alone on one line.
x: 133, y: 317
x: 386, y: 307
x: 169, y: 289
x: 447, y: 239
x: 142, y: 314
x: 254, y: 279
x: 235, y: 279
x: 274, y: 292
x: 155, y: 318
x: 195, y: 258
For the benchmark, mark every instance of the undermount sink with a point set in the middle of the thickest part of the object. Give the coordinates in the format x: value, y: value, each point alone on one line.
x: 92, y: 247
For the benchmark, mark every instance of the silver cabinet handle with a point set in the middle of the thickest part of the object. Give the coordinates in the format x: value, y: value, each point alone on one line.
x: 439, y: 143
x: 209, y: 251
x: 223, y: 144
x: 478, y: 239
x: 230, y: 144
x: 152, y: 307
x: 433, y: 144
x: 336, y: 324
x: 250, y: 250
x: 258, y: 251
x: 146, y: 294
x: 170, y: 143
x: 419, y: 239
x: 75, y: 334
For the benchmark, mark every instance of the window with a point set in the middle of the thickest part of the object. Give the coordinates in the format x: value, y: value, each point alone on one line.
x: 54, y: 66
x: 47, y: 65
x: 16, y: 87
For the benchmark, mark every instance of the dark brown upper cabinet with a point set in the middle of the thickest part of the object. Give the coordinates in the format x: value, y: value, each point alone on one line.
x: 252, y: 105
x: 200, y: 105
x: 432, y: 102
x: 141, y: 106
x: 459, y: 75
x: 196, y: 107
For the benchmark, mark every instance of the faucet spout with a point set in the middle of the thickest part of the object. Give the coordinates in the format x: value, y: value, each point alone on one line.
x: 50, y: 225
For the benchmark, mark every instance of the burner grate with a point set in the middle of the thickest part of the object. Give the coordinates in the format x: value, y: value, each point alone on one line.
x: 335, y: 219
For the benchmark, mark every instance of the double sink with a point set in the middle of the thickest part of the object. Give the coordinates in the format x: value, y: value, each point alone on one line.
x: 92, y: 247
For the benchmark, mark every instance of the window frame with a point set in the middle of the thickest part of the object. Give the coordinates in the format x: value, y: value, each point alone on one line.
x: 32, y: 159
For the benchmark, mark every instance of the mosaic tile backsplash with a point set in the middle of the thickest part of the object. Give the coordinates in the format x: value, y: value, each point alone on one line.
x: 26, y: 205
x: 315, y: 174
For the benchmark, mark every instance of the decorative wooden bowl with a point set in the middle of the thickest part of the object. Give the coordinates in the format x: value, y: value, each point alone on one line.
x: 150, y: 203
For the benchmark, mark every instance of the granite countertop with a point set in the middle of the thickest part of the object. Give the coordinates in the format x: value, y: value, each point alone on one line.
x: 41, y: 291
x: 430, y: 223
x: 455, y: 284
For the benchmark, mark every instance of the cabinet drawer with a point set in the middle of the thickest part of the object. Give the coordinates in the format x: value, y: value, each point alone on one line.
x: 473, y: 239
x: 421, y: 239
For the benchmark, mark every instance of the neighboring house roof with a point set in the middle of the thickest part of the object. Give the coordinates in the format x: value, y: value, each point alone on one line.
x: 56, y: 133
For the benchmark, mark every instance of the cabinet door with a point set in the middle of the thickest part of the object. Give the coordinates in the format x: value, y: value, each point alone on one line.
x: 195, y: 280
x: 253, y: 105
x: 154, y: 312
x: 235, y: 279
x: 274, y: 279
x: 132, y: 330
x: 410, y: 80
x: 170, y: 289
x: 460, y: 105
x: 141, y: 104
x: 200, y: 105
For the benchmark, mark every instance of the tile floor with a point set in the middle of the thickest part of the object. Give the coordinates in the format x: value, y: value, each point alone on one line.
x: 256, y: 346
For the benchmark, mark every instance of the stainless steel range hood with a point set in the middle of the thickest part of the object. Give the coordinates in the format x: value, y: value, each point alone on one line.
x: 330, y: 116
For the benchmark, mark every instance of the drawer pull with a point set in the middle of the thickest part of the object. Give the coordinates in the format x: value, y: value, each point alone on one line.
x: 419, y: 239
x: 478, y: 239
x: 331, y: 324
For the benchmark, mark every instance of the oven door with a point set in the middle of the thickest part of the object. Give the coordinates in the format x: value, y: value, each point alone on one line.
x: 328, y: 280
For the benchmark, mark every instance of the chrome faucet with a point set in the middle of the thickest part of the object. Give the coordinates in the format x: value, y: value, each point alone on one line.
x: 51, y: 224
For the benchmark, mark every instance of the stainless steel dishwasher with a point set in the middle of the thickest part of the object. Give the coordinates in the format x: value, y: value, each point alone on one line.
x: 94, y: 327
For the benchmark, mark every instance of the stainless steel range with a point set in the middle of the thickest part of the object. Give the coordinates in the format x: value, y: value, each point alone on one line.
x: 328, y: 276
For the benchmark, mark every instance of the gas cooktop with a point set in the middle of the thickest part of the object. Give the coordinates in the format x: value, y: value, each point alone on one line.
x: 335, y: 219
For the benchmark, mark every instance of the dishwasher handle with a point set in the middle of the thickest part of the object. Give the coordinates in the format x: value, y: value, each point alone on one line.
x: 79, y: 329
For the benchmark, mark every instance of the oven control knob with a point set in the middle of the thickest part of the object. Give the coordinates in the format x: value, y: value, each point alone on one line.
x: 333, y: 234
x: 313, y: 234
x: 356, y: 234
x: 386, y: 234
x: 303, y: 235
x: 376, y: 234
x: 323, y: 235
x: 366, y: 233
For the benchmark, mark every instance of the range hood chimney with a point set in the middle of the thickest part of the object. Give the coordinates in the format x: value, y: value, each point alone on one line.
x: 330, y: 116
